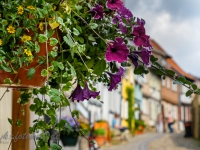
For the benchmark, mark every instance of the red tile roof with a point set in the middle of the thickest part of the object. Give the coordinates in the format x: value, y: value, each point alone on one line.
x: 175, y: 66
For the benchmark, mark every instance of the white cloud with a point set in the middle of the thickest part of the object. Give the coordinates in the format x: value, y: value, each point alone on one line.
x: 177, y: 35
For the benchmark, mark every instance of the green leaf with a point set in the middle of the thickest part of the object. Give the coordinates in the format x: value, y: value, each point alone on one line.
x: 51, y: 112
x: 140, y: 70
x: 188, y: 93
x: 99, y: 67
x: 44, y: 73
x: 75, y: 113
x: 67, y: 86
x: 55, y: 95
x: 91, y: 38
x: 55, y: 146
x: 19, y: 123
x: 10, y: 121
x: 18, y: 32
x: 30, y: 73
x: 93, y: 25
x: 73, y: 72
x: 60, y: 21
x: 53, y: 41
x: 42, y: 38
x: 53, y: 54
x: 181, y: 79
x: 61, y: 66
x: 7, y: 81
x: 194, y: 86
x: 65, y: 101
x: 6, y: 68
x: 159, y: 72
x: 153, y: 59
x: 37, y: 47
x: 76, y: 32
x: 68, y: 40
x: 170, y: 72
x: 50, y: 33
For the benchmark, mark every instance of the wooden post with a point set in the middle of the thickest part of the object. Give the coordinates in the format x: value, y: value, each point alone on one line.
x: 20, y: 134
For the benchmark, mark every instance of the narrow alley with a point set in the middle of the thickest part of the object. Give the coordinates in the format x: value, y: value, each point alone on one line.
x: 155, y: 141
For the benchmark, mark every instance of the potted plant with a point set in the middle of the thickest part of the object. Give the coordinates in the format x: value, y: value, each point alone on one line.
x: 61, y: 48
x: 139, y: 126
x: 69, y: 135
x: 100, y: 137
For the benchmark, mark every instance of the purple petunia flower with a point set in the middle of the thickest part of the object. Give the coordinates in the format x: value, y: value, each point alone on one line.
x: 114, y: 4
x: 140, y: 22
x: 144, y: 54
x: 122, y: 28
x: 116, y: 19
x: 77, y: 94
x: 125, y: 13
x: 140, y: 39
x: 117, y: 51
x: 98, y: 11
x: 134, y: 58
x: 115, y: 78
x: 87, y: 93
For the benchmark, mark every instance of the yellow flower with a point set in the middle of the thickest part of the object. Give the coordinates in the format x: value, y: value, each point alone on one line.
x: 41, y: 27
x: 0, y: 15
x: 28, y: 52
x: 20, y: 10
x: 53, y: 24
x: 11, y: 29
x: 26, y: 38
x: 1, y: 42
x: 31, y: 7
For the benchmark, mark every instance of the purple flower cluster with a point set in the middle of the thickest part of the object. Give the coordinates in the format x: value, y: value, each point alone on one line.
x: 117, y: 50
x: 140, y: 39
x: 80, y: 94
x: 71, y: 121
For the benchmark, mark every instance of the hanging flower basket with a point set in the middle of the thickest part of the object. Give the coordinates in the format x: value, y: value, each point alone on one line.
x: 20, y: 79
x: 68, y: 140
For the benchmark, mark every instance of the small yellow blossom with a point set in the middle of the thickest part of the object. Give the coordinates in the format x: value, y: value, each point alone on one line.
x: 53, y: 24
x: 31, y: 7
x: 0, y: 15
x: 41, y: 26
x: 68, y: 9
x: 11, y: 29
x: 20, y: 10
x: 28, y: 52
x: 1, y: 42
x: 26, y: 38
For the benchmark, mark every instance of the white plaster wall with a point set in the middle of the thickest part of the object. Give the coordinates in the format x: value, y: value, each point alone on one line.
x: 5, y: 113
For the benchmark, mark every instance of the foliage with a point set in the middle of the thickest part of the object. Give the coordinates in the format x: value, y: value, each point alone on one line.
x: 130, y: 99
x: 99, y: 132
x: 139, y: 123
x: 87, y: 42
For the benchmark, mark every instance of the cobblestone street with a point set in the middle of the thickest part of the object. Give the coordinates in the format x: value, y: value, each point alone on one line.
x: 154, y: 141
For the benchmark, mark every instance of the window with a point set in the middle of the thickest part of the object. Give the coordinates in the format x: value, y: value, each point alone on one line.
x: 174, y: 87
x: 168, y: 83
x: 163, y: 82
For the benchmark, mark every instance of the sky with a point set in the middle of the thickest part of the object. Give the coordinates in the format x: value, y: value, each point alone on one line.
x: 175, y: 26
